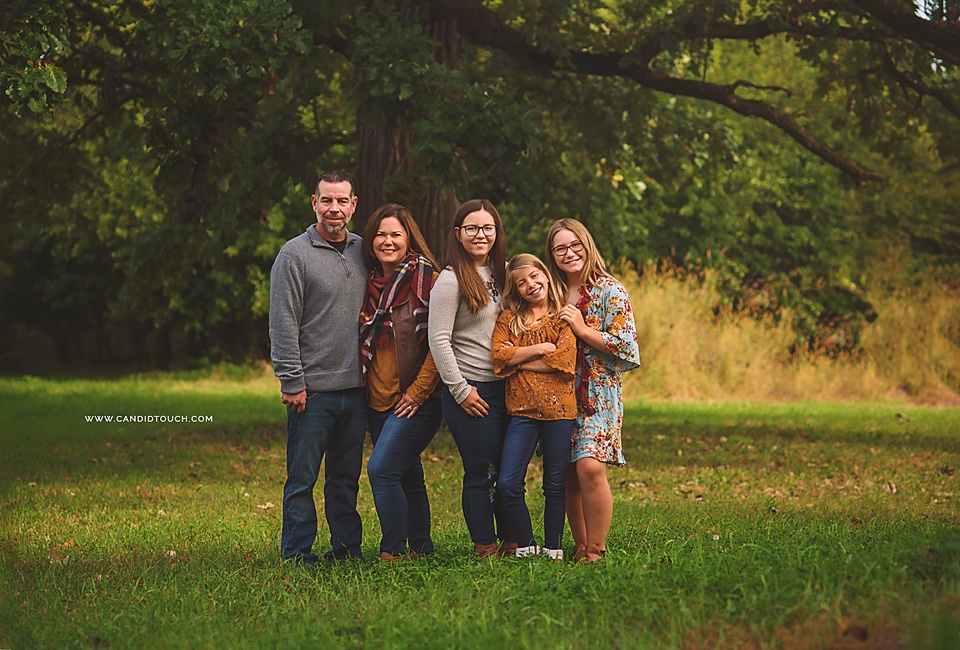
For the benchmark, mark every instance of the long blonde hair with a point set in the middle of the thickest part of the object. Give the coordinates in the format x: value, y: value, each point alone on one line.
x: 593, y: 267
x: 517, y: 304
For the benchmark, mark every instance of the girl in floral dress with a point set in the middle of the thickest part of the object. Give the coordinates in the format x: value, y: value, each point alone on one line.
x: 598, y: 310
x: 536, y: 352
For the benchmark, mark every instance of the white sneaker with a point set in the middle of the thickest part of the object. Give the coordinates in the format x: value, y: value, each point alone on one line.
x: 524, y: 551
x: 554, y: 553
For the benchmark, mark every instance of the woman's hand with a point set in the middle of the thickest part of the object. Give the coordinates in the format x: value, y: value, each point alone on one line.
x: 574, y: 318
x: 474, y: 404
x: 406, y: 407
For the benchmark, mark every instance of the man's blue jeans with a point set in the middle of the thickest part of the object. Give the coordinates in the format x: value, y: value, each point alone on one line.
x: 479, y: 441
x: 396, y: 476
x: 332, y: 424
x: 518, y: 447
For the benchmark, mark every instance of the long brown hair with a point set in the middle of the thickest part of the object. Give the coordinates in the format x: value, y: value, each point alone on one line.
x: 471, y: 284
x: 415, y: 241
x: 593, y: 267
x: 517, y: 304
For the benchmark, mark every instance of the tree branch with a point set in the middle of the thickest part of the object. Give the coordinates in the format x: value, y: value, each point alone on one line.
x: 941, y: 38
x: 948, y: 102
x: 482, y: 27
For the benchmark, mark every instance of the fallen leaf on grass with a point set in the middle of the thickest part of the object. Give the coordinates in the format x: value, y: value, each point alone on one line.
x: 266, y: 506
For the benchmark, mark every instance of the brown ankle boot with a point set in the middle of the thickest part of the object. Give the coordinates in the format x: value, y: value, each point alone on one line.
x: 390, y: 557
x: 592, y: 553
x: 507, y: 549
x: 485, y: 550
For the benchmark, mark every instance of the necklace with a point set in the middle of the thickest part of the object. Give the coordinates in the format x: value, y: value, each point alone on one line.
x: 492, y: 288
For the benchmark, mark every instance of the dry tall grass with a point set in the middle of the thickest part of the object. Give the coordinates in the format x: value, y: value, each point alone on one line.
x: 689, y: 352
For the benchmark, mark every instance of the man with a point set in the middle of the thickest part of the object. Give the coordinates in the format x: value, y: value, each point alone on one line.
x: 317, y: 287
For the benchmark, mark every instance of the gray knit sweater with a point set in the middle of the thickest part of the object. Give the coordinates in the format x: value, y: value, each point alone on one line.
x: 460, y: 341
x: 315, y: 299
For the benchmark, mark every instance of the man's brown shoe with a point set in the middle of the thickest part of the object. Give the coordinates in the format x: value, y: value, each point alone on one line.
x: 507, y: 549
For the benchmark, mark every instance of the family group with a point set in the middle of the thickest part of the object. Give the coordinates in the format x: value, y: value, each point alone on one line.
x: 518, y: 357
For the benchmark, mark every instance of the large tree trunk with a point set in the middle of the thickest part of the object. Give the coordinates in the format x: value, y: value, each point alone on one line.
x: 382, y: 162
x: 434, y: 214
x: 382, y: 154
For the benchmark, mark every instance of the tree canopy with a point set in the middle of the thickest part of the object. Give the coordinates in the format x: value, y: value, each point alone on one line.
x: 157, y: 154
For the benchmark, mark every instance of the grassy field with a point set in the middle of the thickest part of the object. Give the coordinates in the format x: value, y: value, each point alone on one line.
x: 808, y: 525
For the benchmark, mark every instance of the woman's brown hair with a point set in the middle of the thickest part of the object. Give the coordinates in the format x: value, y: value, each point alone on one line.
x: 416, y: 243
x: 471, y: 284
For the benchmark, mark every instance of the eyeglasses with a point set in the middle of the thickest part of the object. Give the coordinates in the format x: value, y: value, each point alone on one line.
x: 488, y: 230
x: 560, y: 251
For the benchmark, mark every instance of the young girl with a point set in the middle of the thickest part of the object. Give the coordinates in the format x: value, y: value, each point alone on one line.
x: 536, y: 351
x: 598, y: 310
x: 464, y: 306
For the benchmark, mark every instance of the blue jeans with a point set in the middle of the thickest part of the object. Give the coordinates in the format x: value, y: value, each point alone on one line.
x: 518, y: 447
x: 333, y: 423
x: 479, y: 441
x: 396, y: 476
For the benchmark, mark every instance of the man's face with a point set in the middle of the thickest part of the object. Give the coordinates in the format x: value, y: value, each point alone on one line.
x: 334, y: 205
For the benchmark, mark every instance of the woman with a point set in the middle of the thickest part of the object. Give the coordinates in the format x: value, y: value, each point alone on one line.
x: 464, y: 309
x: 598, y: 311
x: 401, y: 379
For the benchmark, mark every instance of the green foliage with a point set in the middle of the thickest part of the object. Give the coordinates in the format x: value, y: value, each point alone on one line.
x: 32, y: 38
x: 168, y: 210
x: 463, y: 117
x: 168, y: 149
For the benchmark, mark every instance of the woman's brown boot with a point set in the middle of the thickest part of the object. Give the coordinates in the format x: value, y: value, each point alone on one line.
x: 592, y: 554
x: 485, y: 550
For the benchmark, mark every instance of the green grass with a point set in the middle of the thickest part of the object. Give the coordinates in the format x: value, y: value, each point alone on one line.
x: 800, y: 525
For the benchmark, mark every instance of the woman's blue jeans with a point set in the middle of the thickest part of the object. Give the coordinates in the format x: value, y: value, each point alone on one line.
x: 518, y: 447
x: 332, y: 424
x: 396, y: 476
x: 479, y: 441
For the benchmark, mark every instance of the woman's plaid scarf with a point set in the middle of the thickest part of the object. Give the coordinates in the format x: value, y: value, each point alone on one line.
x: 412, y: 280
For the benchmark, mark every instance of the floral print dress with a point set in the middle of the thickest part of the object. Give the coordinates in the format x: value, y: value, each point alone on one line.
x: 596, y: 433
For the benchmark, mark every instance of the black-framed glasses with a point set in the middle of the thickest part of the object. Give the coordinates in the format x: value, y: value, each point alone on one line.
x: 488, y: 230
x: 575, y: 246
